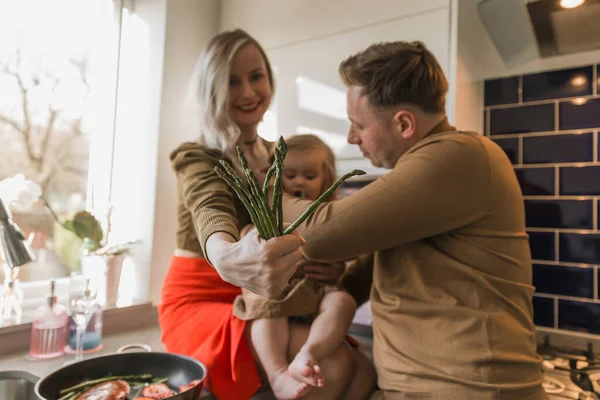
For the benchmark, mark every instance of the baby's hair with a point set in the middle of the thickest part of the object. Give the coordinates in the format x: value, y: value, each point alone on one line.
x: 310, y: 142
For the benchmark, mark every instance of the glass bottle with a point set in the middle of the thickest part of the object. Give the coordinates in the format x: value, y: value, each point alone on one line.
x: 85, y: 321
x: 49, y: 328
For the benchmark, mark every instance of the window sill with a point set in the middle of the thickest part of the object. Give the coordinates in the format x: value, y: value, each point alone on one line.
x: 16, y: 338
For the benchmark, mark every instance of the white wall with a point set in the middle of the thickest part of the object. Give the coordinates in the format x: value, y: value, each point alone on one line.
x: 468, y: 87
x: 189, y: 25
x: 281, y: 22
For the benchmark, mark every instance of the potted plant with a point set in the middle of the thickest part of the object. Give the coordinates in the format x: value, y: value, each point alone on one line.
x: 95, y: 256
x: 98, y: 260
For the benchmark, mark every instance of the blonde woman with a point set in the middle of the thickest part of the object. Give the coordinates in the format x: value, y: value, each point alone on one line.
x: 233, y: 87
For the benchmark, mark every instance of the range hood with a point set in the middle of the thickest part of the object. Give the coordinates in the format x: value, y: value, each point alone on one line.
x: 523, y: 30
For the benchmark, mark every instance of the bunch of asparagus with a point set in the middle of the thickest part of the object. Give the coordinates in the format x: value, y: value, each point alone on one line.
x: 268, y: 218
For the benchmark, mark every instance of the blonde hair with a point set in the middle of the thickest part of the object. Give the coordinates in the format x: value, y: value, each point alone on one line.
x: 310, y: 142
x: 209, y: 90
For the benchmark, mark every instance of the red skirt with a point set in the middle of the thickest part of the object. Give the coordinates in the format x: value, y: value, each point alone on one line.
x: 196, y: 320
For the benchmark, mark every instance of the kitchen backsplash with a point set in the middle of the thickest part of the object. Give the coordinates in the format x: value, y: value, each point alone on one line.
x: 548, y: 124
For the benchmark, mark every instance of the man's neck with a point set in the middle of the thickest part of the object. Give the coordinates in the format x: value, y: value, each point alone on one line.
x: 432, y: 124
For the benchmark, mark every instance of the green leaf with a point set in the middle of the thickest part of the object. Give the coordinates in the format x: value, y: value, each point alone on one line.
x: 86, y: 226
x: 69, y: 225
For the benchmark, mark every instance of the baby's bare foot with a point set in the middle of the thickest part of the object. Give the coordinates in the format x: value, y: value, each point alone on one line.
x: 305, y: 368
x: 285, y: 387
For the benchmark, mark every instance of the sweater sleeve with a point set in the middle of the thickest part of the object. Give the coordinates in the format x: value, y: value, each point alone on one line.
x: 206, y: 196
x: 440, y: 186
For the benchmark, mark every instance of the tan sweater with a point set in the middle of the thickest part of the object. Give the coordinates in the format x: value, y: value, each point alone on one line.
x: 451, y: 283
x: 206, y: 204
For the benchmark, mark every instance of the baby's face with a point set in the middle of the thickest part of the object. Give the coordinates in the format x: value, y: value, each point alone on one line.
x: 303, y: 174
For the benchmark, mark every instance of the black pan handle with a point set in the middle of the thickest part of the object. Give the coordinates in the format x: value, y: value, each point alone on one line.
x: 141, y: 346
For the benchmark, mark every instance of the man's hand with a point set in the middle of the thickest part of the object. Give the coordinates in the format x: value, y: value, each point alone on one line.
x: 323, y: 272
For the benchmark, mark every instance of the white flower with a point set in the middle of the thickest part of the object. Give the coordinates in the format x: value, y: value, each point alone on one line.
x: 19, y: 193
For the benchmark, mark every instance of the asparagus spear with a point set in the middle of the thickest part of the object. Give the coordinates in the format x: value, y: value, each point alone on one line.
x: 271, y: 228
x: 322, y: 197
x: 256, y: 219
x: 255, y: 208
x: 282, y: 147
x: 270, y: 174
x: 278, y: 191
x: 282, y: 151
x: 71, y: 396
x: 105, y: 379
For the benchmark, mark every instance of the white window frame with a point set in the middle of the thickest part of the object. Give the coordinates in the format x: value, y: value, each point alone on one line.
x: 100, y: 178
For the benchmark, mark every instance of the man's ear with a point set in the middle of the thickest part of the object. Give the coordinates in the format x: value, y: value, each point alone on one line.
x: 405, y: 123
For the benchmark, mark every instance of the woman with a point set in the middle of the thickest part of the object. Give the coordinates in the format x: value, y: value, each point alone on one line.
x: 234, y: 86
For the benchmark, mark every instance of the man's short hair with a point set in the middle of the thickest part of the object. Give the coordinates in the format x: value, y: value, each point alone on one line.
x: 395, y: 73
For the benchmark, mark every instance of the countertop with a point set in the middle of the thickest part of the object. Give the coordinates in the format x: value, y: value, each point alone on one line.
x: 151, y: 336
x: 110, y: 344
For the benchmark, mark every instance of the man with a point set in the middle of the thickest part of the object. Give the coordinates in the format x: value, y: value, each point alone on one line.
x: 450, y: 276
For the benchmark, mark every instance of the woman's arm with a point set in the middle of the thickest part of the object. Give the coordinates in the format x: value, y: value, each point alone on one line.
x: 263, y: 267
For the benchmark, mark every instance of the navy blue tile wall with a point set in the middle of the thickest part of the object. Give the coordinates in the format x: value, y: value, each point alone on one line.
x: 501, y: 91
x: 568, y: 214
x: 579, y: 247
x: 580, y: 181
x: 558, y: 148
x: 522, y: 119
x: 543, y: 311
x: 536, y: 181
x: 568, y: 281
x: 557, y: 84
x: 542, y: 245
x: 597, y: 214
x: 548, y: 124
x: 579, y: 316
x: 485, y: 117
x: 579, y: 114
x: 511, y: 148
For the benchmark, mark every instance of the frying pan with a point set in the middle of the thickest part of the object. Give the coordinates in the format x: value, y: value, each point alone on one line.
x: 180, y: 370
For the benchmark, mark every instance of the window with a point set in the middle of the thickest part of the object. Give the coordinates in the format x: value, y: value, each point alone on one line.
x: 58, y: 93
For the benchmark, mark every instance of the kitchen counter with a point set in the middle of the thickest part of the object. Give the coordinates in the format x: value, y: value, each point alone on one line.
x: 110, y: 344
x: 151, y: 336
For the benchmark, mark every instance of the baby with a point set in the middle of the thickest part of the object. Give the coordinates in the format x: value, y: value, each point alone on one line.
x: 309, y: 170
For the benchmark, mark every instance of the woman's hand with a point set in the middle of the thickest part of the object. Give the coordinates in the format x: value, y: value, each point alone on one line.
x: 245, y: 230
x: 323, y: 272
x: 262, y: 266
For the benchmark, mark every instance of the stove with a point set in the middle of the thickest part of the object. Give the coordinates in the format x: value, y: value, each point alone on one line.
x: 570, y: 373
